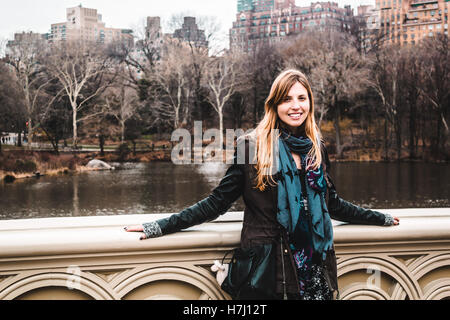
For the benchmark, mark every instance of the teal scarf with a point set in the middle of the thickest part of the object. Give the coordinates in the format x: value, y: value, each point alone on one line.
x: 290, y: 200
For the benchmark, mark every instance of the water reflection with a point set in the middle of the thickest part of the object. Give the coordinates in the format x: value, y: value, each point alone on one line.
x: 164, y: 187
x: 393, y: 185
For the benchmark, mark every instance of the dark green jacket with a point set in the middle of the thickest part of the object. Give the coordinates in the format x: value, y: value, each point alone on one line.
x: 260, y: 224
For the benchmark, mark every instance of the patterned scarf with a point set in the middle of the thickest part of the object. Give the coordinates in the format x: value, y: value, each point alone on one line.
x: 290, y: 200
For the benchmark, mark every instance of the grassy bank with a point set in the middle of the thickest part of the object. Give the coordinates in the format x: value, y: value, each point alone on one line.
x: 18, y: 163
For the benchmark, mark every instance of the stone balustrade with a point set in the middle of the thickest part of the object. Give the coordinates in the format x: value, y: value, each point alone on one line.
x: 94, y: 258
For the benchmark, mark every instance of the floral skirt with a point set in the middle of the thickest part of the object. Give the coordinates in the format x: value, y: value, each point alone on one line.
x: 311, y: 275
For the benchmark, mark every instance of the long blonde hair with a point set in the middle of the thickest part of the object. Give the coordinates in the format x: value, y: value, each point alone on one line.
x: 264, y: 132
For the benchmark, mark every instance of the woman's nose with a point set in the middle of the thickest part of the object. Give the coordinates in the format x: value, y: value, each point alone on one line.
x: 295, y: 104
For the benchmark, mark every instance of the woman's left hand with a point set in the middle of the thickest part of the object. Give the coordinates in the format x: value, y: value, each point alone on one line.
x: 396, y: 221
x: 136, y: 228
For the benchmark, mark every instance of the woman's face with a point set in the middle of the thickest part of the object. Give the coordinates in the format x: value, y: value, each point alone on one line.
x: 294, y: 110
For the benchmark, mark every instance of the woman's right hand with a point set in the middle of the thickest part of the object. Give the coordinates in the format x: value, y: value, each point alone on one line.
x: 136, y: 228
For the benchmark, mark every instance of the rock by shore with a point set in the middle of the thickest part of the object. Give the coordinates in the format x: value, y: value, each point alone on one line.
x: 99, y: 165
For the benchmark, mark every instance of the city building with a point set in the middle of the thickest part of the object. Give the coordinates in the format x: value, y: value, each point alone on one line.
x: 407, y: 21
x: 190, y: 32
x: 367, y: 22
x: 244, y: 5
x: 30, y: 38
x: 150, y: 46
x: 262, y: 22
x: 153, y: 30
x: 86, y: 24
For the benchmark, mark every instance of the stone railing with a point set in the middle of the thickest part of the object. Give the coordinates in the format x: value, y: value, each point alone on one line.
x: 94, y: 258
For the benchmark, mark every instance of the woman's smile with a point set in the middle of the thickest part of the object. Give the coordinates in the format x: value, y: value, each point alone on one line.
x: 295, y: 116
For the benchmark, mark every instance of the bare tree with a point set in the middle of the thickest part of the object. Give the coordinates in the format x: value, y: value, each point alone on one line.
x: 221, y: 79
x: 436, y: 83
x: 172, y: 84
x: 213, y: 33
x: 411, y: 84
x: 76, y: 65
x: 55, y: 120
x: 121, y: 102
x: 12, y: 106
x: 23, y: 56
x: 141, y: 57
x: 336, y: 70
x: 261, y: 66
x: 198, y: 55
x: 385, y: 80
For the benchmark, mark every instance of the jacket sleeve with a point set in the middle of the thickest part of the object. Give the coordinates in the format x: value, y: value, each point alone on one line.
x: 345, y: 211
x: 217, y: 203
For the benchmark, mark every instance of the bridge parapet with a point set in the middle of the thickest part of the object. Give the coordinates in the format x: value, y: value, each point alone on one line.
x: 94, y: 258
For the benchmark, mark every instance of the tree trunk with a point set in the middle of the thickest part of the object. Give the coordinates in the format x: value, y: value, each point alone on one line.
x: 398, y: 136
x: 122, y: 131
x: 221, y: 128
x: 436, y: 144
x: 53, y: 140
x: 29, y: 111
x: 412, y: 130
x: 75, y: 129
x: 385, y: 139
x: 19, y: 139
x: 337, y: 129
x: 29, y: 132
x: 176, y: 121
x: 101, y: 139
x: 134, y: 147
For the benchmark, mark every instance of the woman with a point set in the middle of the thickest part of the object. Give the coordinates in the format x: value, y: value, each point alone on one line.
x: 288, y: 194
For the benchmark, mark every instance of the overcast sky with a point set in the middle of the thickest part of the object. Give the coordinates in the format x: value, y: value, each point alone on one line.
x: 38, y: 15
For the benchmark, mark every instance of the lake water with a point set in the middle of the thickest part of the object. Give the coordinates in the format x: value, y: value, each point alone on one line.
x: 162, y: 187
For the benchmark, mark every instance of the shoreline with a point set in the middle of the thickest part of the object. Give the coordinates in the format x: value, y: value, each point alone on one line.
x: 53, y: 172
x: 74, y: 163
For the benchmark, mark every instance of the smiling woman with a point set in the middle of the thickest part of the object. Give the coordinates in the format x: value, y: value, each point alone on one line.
x: 289, y: 201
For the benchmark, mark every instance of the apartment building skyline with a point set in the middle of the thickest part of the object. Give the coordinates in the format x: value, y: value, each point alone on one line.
x: 263, y: 22
x: 407, y: 21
